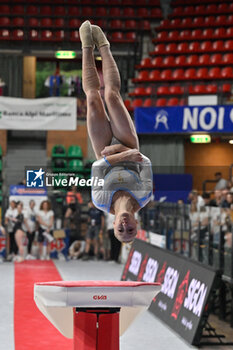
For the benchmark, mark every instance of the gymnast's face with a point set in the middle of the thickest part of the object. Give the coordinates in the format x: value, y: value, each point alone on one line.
x: 125, y: 227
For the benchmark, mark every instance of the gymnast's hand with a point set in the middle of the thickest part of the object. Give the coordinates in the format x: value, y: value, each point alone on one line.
x: 113, y: 149
x: 133, y: 155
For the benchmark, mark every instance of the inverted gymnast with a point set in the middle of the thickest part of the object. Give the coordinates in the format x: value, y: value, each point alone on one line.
x: 126, y: 172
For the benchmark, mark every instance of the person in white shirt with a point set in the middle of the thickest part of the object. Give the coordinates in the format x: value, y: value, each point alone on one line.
x: 45, y: 219
x: 9, y: 223
x: 127, y: 174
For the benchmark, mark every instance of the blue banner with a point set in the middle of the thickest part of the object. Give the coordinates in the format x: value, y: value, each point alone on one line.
x: 20, y: 190
x: 160, y: 120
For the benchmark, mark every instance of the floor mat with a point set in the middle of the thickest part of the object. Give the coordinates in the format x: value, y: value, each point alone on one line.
x: 32, y: 330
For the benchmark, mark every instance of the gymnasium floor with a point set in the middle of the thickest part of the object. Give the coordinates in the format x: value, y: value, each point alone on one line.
x: 147, y: 332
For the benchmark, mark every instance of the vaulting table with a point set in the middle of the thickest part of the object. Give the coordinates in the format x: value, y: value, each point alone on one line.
x: 93, y: 313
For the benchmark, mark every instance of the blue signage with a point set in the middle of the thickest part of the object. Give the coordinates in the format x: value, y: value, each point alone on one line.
x: 168, y: 120
x: 20, y: 190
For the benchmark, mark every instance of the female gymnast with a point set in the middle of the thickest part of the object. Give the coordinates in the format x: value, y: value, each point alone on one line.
x: 126, y: 172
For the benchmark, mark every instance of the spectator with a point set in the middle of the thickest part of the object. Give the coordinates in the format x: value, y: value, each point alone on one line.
x: 194, y: 219
x: 73, y: 200
x: 32, y: 225
x: 9, y: 216
x: 228, y: 201
x: 45, y: 219
x: 221, y: 183
x: 216, y: 202
x: 206, y: 197
x: 95, y: 227
x: 77, y: 249
x: 20, y: 228
x: 194, y: 197
x: 115, y: 244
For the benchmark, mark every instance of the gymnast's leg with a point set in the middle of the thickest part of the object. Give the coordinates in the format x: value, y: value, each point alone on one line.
x: 98, y: 126
x: 121, y: 123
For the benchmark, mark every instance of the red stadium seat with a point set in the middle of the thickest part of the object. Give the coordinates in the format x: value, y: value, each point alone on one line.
x: 59, y: 22
x: 226, y: 88
x: 166, y: 74
x: 129, y: 2
x: 212, y: 8
x: 154, y: 75
x: 59, y: 10
x: 186, y: 22
x: 87, y: 11
x: 142, y: 12
x: 116, y: 24
x: 173, y: 35
x: 169, y: 61
x: 18, y: 22
x: 74, y: 35
x: 178, y: 11
x: 207, y: 33
x: 202, y: 73
x: 159, y: 49
x: 182, y: 47
x: 230, y: 7
x: 206, y: 46
x: 100, y: 2
x: 149, y: 90
x: 194, y: 46
x: 142, y: 76
x: 148, y: 102
x: 165, y: 23
x: 144, y: 24
x: 192, y: 60
x: 101, y: 11
x: 4, y: 34
x: 114, y: 12
x: 163, y: 90
x: 170, y: 48
x: 59, y: 35
x: 200, y: 10
x: 46, y: 35
x: 33, y: 34
x: 157, y: 61
x: 102, y: 23
x: 4, y: 9
x: 174, y: 101
x: 189, y: 10
x: 221, y: 20
x: 160, y: 102
x: 228, y: 46
x: 218, y: 45
x: 227, y: 72
x: 178, y: 74
x: 18, y: 34
x: 214, y: 73
x: 204, y: 59
x: 138, y: 91
x: 128, y: 104
x: 182, y: 102
x: 162, y: 36
x: 185, y: 35
x: 229, y: 32
x: 137, y: 103
x: 131, y: 24
x: 180, y: 60
x: 223, y: 8
x: 74, y: 11
x: 216, y: 59
x: 46, y: 10
x: 46, y: 22
x: 146, y: 62
x: 198, y: 22
x: 5, y: 21
x: 131, y: 36
x: 128, y: 12
x: 32, y: 10
x: 74, y: 23
x: 175, y: 22
x: 117, y: 36
x: 196, y: 34
x: 211, y: 89
x: 210, y: 21
x: 176, y: 90
x: 199, y: 89
x: 17, y: 10
x: 228, y: 58
x: 156, y: 12
x: 219, y: 33
x: 230, y: 20
x: 190, y: 74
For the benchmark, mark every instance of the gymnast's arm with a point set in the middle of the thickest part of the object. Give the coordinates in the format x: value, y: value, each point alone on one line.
x: 117, y: 148
x: 131, y: 155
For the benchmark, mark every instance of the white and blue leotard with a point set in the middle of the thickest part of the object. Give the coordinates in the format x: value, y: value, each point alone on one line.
x: 134, y: 178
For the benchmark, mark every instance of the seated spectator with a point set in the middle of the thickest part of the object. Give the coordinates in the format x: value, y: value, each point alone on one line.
x: 95, y: 227
x: 221, y: 183
x: 76, y: 249
x: 206, y: 197
x: 194, y: 197
x: 32, y: 225
x: 20, y: 228
x: 45, y: 219
x: 9, y: 223
x: 216, y: 202
x: 228, y: 201
x: 194, y: 219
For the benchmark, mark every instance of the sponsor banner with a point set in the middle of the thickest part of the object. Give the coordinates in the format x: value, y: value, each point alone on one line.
x: 59, y: 246
x: 186, y: 286
x: 185, y: 119
x: 53, y: 113
x: 2, y: 246
x: 20, y: 193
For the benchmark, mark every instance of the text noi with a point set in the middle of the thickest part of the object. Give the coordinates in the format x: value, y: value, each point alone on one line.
x: 205, y: 118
